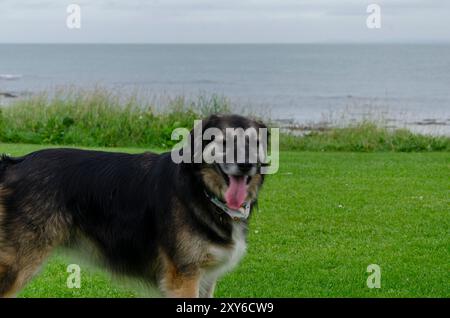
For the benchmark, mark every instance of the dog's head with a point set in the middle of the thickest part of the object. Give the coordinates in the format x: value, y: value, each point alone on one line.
x: 233, y: 149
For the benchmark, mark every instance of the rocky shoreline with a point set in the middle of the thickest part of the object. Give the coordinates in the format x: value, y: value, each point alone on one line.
x: 431, y: 126
x: 8, y: 95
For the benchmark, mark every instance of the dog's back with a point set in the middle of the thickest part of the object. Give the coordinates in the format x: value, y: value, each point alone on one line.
x: 49, y: 196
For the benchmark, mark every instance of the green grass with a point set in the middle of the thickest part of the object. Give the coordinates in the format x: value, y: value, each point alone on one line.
x: 322, y: 219
x: 100, y: 118
x: 365, y: 136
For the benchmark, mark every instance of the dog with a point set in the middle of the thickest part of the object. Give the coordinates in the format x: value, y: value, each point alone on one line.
x: 177, y: 226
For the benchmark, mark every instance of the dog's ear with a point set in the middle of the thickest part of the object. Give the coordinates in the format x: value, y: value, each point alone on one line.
x: 197, y: 139
x: 260, y: 124
x: 211, y: 121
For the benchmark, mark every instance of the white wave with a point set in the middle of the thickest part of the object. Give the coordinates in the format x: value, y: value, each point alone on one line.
x: 10, y: 76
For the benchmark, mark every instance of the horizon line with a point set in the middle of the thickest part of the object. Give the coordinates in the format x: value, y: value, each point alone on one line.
x: 228, y: 43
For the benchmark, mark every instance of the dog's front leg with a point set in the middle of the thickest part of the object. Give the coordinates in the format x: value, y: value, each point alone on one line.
x: 180, y: 284
x: 207, y: 287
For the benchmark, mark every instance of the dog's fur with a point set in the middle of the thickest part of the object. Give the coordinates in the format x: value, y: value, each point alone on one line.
x: 146, y: 216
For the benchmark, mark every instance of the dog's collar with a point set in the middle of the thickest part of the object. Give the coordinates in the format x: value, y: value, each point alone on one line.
x: 236, y: 215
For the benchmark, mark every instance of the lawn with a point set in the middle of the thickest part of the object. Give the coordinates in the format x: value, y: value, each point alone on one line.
x: 322, y: 219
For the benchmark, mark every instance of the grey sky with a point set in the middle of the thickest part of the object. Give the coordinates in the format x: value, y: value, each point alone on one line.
x: 224, y: 21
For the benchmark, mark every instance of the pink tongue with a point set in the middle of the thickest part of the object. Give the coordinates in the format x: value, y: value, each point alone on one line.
x: 237, y: 192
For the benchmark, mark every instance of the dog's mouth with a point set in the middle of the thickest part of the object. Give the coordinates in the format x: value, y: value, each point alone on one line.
x: 237, y: 189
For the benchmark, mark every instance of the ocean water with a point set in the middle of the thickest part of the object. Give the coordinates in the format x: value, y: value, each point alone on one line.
x: 403, y: 85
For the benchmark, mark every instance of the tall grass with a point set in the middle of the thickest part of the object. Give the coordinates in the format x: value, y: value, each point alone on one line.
x: 365, y: 136
x: 101, y: 118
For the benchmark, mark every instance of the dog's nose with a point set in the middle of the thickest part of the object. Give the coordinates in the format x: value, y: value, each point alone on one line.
x: 245, y: 167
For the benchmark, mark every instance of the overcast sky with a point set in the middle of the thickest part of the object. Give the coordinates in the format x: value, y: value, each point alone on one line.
x: 224, y: 21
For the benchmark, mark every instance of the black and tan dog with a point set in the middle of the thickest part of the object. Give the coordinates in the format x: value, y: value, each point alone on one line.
x: 146, y: 216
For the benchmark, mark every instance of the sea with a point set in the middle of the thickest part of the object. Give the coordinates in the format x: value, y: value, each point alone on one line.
x: 298, y: 85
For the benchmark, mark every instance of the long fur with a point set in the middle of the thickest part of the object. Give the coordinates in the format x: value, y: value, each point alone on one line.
x: 134, y: 208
